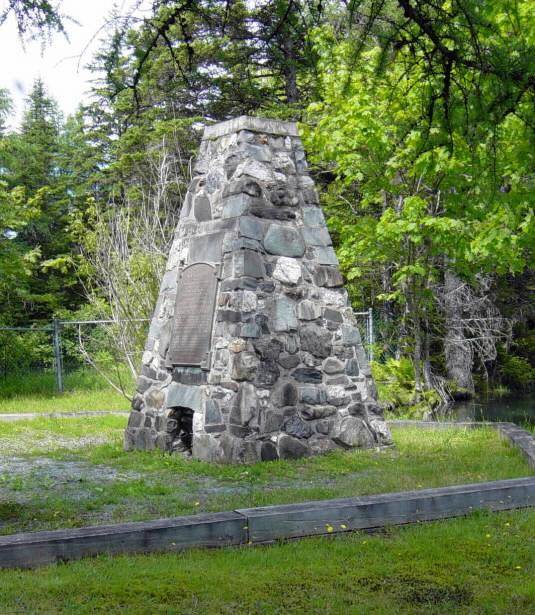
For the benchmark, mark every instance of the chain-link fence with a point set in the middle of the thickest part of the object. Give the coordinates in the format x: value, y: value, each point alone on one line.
x: 56, y: 355
x: 54, y: 352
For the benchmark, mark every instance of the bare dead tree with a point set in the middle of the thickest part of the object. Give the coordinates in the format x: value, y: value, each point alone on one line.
x: 474, y: 327
x: 131, y: 241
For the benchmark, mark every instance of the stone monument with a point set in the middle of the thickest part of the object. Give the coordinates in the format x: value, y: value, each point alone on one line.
x: 253, y: 351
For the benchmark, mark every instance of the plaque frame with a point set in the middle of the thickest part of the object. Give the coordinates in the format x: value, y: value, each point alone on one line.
x: 205, y: 363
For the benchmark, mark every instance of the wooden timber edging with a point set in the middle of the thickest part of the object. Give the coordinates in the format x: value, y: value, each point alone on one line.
x: 269, y: 523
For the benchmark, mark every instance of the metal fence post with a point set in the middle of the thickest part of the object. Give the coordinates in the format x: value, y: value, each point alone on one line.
x: 370, y: 333
x: 57, y: 354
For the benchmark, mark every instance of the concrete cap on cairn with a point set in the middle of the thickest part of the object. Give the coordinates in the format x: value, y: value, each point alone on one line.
x: 254, y: 124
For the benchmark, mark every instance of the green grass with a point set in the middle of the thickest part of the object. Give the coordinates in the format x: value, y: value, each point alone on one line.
x: 110, y: 485
x: 481, y: 564
x: 84, y: 390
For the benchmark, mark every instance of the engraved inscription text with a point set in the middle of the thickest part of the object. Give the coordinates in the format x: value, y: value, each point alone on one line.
x: 194, y: 310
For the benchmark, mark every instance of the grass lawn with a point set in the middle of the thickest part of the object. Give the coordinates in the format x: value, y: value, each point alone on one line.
x: 484, y: 563
x: 73, y: 472
x: 84, y: 390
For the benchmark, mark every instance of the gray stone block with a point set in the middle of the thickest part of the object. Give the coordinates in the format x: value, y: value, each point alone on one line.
x: 308, y: 310
x: 244, y: 366
x: 250, y: 330
x: 284, y: 315
x: 236, y: 205
x: 352, y: 367
x: 248, y: 263
x: 288, y: 361
x: 291, y: 448
x: 328, y: 277
x: 267, y: 374
x: 244, y: 406
x: 285, y: 394
x: 316, y: 236
x: 333, y: 315
x: 269, y: 452
x: 135, y: 419
x: 283, y: 241
x: 262, y: 153
x: 316, y: 340
x: 268, y: 348
x: 202, y: 209
x: 206, y: 248
x: 212, y: 414
x: 312, y: 395
x: 242, y: 185
x: 271, y: 213
x: 307, y: 374
x: 351, y: 432
x: 350, y: 336
x: 332, y: 365
x: 296, y: 427
x: 313, y: 216
x: 185, y: 396
x: 325, y: 256
x: 318, y: 412
x: 251, y: 227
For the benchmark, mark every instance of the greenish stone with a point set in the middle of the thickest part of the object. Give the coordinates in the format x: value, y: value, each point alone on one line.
x: 284, y: 318
x: 313, y: 216
x: 284, y: 241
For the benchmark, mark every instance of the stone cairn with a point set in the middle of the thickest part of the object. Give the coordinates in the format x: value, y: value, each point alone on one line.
x: 253, y: 351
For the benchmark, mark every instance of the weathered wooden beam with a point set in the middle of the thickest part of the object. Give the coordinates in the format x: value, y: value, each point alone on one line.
x: 520, y: 438
x: 341, y: 515
x: 33, y: 549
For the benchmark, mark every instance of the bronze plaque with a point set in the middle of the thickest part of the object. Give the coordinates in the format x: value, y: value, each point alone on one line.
x: 194, y: 312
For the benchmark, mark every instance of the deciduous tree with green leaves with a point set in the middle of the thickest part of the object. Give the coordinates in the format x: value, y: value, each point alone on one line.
x: 434, y: 162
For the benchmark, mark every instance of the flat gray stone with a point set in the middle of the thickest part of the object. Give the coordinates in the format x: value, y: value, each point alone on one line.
x: 248, y: 263
x: 316, y: 340
x: 331, y: 365
x: 283, y: 241
x: 350, y: 336
x: 317, y: 412
x: 262, y: 153
x: 352, y: 432
x: 308, y: 310
x: 183, y: 395
x: 202, y: 209
x: 291, y: 448
x: 329, y: 277
x: 317, y: 236
x: 284, y: 316
x: 235, y: 205
x: 312, y: 395
x: 206, y: 248
x: 251, y: 227
x: 325, y: 256
x: 296, y: 427
x: 212, y: 414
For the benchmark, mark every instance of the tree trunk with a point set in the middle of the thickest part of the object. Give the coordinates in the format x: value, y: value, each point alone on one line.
x: 457, y: 350
x: 290, y: 69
